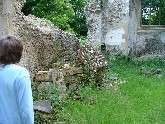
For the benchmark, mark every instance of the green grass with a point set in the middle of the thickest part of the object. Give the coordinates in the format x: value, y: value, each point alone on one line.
x: 140, y: 100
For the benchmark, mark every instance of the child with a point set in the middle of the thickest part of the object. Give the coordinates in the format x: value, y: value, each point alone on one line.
x: 16, y: 102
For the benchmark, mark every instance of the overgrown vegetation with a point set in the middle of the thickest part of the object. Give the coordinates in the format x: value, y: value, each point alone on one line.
x: 133, y: 93
x: 68, y: 15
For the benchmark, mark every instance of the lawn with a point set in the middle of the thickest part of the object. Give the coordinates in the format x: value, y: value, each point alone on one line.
x: 139, y: 100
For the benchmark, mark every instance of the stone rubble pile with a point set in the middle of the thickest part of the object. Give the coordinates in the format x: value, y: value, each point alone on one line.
x: 87, y: 55
x: 92, y: 62
x: 69, y: 77
x: 53, y: 55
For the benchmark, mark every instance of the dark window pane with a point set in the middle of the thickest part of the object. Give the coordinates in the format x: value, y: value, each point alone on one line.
x: 153, y: 12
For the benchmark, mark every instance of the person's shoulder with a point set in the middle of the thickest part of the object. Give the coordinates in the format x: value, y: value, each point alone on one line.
x: 23, y: 71
x: 22, y: 77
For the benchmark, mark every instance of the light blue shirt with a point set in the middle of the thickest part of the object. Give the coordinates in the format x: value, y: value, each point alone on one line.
x: 16, y: 102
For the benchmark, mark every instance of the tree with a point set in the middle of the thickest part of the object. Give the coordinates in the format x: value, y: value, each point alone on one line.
x: 68, y: 15
x: 78, y: 21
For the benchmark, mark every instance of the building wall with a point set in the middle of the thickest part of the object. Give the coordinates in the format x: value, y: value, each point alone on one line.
x: 118, y: 27
x: 94, y: 21
x: 113, y: 19
x: 149, y: 40
x: 133, y: 25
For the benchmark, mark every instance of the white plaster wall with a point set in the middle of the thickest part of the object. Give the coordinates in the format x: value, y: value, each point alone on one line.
x: 110, y: 25
x: 114, y: 37
x: 8, y: 6
x: 117, y: 16
x: 110, y: 1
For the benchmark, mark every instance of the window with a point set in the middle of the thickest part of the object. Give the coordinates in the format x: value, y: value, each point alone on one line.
x: 153, y: 12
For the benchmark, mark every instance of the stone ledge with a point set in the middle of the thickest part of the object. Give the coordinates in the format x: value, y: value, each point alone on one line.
x: 43, y: 106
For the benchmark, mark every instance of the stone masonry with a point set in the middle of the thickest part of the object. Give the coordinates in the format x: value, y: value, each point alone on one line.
x: 44, y: 43
x: 116, y: 24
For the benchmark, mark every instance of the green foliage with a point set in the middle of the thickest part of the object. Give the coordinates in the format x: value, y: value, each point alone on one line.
x: 47, y: 91
x: 68, y: 15
x: 83, y: 40
x: 78, y: 21
x: 153, y: 12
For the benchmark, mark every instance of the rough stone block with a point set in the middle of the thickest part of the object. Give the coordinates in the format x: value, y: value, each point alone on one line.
x: 43, y: 106
x: 43, y: 76
x: 57, y: 65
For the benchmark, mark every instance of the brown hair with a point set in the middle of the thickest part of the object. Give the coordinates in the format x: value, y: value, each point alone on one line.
x: 10, y: 50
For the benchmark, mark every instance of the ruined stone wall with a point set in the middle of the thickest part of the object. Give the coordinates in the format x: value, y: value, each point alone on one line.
x: 144, y: 40
x: 114, y: 24
x: 133, y: 24
x: 149, y: 42
x: 94, y: 21
x: 120, y: 29
x: 43, y: 42
x: 116, y: 37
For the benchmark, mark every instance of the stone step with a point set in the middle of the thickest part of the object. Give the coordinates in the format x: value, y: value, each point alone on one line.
x: 54, y: 74
x: 43, y: 106
x: 43, y: 76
